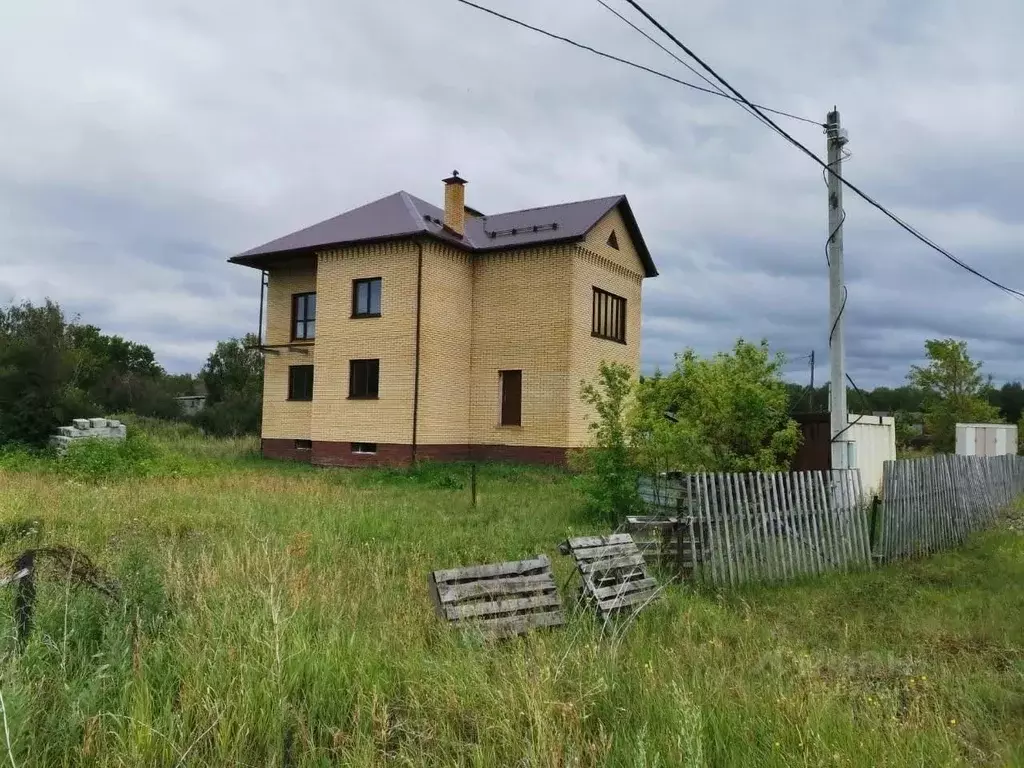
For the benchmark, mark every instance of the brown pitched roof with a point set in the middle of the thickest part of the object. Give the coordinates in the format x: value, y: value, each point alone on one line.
x: 402, y: 215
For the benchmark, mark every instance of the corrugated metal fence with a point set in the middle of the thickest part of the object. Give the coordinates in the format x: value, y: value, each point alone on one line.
x: 734, y: 528
x: 935, y: 503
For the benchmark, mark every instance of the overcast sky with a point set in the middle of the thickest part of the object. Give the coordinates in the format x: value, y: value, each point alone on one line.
x: 143, y: 143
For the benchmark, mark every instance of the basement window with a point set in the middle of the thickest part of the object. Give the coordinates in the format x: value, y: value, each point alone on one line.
x: 367, y: 448
x: 303, y: 445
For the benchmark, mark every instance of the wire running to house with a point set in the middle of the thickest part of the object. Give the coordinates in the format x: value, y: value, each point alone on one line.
x: 612, y: 57
x: 849, y: 185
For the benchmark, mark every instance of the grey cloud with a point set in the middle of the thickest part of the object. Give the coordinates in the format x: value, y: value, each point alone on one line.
x: 145, y: 144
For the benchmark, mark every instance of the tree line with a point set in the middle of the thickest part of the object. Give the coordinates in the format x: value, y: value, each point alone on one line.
x: 733, y: 412
x: 949, y: 389
x: 728, y: 411
x: 54, y: 368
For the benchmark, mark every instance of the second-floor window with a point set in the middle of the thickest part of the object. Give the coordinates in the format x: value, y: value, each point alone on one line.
x: 366, y: 297
x: 609, y: 318
x: 303, y: 316
x: 363, y: 378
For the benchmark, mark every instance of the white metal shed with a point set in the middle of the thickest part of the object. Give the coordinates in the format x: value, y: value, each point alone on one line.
x: 986, y: 439
x: 873, y: 440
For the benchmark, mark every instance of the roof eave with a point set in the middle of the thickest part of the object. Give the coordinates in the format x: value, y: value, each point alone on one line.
x: 260, y: 260
x: 650, y: 270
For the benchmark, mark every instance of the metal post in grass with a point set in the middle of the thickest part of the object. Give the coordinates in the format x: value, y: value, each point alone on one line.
x: 876, y: 504
x: 472, y: 483
x: 25, y: 597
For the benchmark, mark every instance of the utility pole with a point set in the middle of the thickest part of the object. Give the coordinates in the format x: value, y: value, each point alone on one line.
x: 810, y: 404
x: 836, y: 137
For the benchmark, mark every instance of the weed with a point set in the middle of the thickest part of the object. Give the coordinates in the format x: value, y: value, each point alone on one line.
x: 270, y: 612
x: 101, y: 459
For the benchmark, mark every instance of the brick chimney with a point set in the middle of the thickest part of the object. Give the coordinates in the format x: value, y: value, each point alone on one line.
x: 455, y: 204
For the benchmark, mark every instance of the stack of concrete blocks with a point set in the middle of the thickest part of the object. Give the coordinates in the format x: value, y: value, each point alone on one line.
x: 88, y: 429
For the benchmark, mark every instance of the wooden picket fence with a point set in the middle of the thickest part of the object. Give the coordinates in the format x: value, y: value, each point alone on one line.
x: 934, y: 503
x: 736, y: 528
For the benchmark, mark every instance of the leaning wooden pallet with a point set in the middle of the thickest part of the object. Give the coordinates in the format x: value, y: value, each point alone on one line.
x: 612, y: 571
x: 499, y: 599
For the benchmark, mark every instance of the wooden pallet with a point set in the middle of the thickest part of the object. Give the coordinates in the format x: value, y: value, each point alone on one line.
x: 613, y: 573
x: 499, y: 599
x: 669, y: 543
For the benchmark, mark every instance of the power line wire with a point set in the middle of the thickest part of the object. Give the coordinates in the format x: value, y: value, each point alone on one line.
x: 849, y: 185
x: 627, y: 62
x: 864, y: 401
x: 694, y: 70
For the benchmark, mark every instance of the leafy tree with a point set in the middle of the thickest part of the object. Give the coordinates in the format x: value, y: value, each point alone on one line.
x: 119, y: 375
x: 182, y: 384
x: 112, y: 352
x: 894, y: 399
x: 233, y: 378
x: 733, y: 409
x: 729, y: 412
x: 53, y: 370
x: 608, y: 470
x: 1009, y: 399
x: 904, y: 428
x: 953, y: 388
x: 36, y: 394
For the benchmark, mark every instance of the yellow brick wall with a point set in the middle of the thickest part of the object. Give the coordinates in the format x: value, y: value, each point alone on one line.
x: 389, y: 338
x: 281, y: 418
x: 617, y: 271
x: 521, y: 321
x: 597, y: 241
x: 526, y: 310
x: 446, y: 333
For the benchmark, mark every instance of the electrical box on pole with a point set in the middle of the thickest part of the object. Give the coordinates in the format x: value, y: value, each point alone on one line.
x: 836, y: 138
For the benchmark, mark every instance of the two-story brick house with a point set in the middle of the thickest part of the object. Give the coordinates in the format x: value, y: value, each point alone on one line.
x: 399, y: 331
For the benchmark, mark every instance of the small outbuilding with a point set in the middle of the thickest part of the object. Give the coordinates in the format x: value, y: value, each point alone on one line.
x: 986, y: 439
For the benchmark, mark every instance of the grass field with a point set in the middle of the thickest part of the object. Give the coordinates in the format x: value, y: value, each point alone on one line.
x: 278, y: 615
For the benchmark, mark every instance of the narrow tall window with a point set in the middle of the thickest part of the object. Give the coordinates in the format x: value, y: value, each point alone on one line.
x: 511, y: 398
x: 363, y: 378
x: 300, y: 382
x: 366, y: 297
x: 609, y: 316
x: 303, y: 316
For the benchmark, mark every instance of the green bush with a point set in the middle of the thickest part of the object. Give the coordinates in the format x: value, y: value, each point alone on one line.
x: 99, y: 459
x: 725, y: 413
x: 142, y: 589
x: 608, y: 471
x: 18, y: 457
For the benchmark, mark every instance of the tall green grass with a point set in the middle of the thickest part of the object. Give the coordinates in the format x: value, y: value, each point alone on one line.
x: 278, y: 615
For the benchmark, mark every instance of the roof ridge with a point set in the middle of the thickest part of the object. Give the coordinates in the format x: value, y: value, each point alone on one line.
x: 557, y: 205
x: 417, y: 217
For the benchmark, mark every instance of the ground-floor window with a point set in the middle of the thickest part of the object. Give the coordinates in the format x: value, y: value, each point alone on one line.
x: 511, y: 398
x: 300, y: 382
